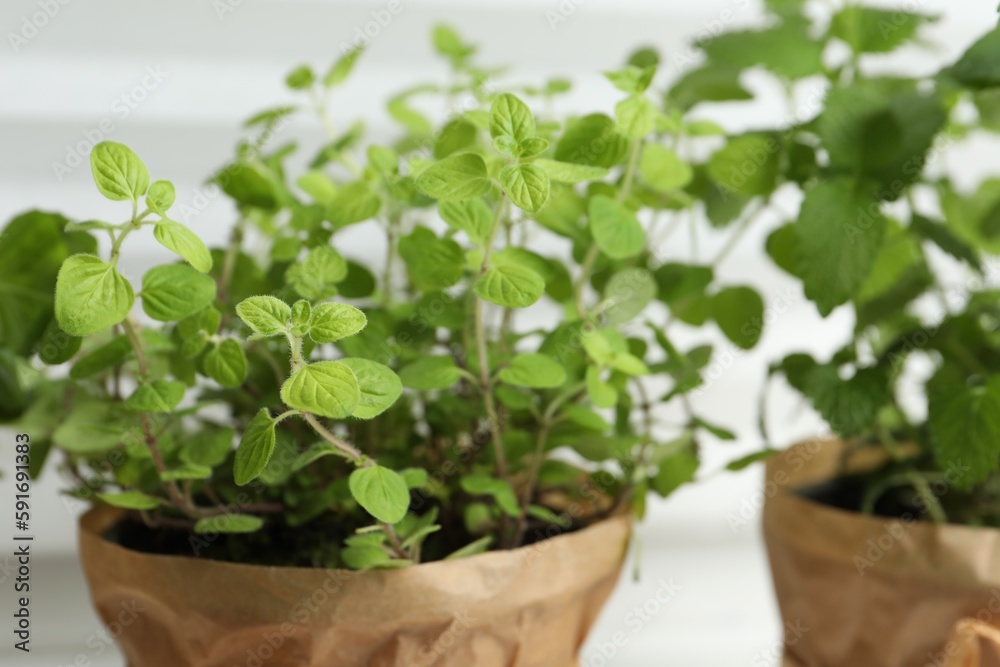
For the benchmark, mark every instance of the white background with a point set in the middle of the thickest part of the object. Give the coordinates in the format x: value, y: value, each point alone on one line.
x: 219, y: 67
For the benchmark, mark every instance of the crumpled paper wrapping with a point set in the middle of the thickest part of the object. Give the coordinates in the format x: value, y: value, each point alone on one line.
x: 529, y: 607
x: 864, y: 591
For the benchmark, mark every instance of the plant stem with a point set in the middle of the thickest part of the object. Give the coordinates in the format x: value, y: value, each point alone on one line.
x: 345, y: 448
x: 134, y: 224
x: 633, y: 160
x: 353, y: 454
x: 140, y: 356
x: 581, y: 284
x: 484, y: 363
x: 734, y: 239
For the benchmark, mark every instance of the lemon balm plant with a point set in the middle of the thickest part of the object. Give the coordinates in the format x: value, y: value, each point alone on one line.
x: 494, y: 379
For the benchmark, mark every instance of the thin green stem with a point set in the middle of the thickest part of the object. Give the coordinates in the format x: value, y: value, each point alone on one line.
x: 740, y: 232
x: 484, y: 363
x: 140, y: 356
x: 343, y: 447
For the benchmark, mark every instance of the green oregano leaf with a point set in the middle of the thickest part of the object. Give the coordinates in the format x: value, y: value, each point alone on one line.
x: 538, y: 371
x: 226, y: 363
x: 511, y: 286
x: 527, y: 185
x: 341, y: 69
x: 157, y: 396
x: 381, y: 491
x: 255, y: 449
x: 378, y: 384
x: 616, y: 230
x: 130, y: 500
x: 429, y: 373
x: 473, y: 217
x: 118, y: 172
x: 91, y: 295
x: 160, y: 197
x: 174, y: 291
x: 456, y: 177
x: 181, y: 240
x: 567, y: 172
x: 332, y: 321
x: 325, y: 388
x: 265, y: 315
x: 511, y: 117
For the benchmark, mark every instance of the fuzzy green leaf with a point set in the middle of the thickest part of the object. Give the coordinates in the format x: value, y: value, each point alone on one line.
x: 457, y: 177
x: 511, y: 286
x: 429, y: 373
x: 255, y: 449
x: 130, y: 500
x: 317, y: 276
x: 838, y: 235
x: 615, y: 228
x: 748, y: 164
x: 965, y: 427
x: 174, y: 291
x: 538, y: 371
x: 160, y: 197
x: 157, y: 396
x: 527, y: 185
x: 592, y: 140
x: 381, y: 491
x: 636, y: 116
x: 473, y: 217
x: 627, y: 294
x: 91, y: 296
x: 226, y: 363
x: 601, y: 394
x: 662, y: 169
x: 510, y: 117
x: 265, y: 315
x: 325, y: 388
x: 176, y: 237
x: 567, y: 172
x: 118, y: 172
x: 332, y: 321
x: 379, y: 386
x: 341, y: 69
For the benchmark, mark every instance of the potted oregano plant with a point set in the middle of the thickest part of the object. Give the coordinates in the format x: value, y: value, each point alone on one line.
x: 881, y: 540
x: 469, y: 419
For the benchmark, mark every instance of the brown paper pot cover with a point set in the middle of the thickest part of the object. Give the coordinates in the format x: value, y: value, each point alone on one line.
x: 526, y: 607
x: 864, y: 591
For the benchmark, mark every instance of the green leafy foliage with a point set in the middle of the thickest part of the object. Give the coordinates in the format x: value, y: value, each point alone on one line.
x: 174, y: 291
x: 511, y: 286
x: 91, y: 295
x: 533, y: 370
x: 837, y: 235
x: 616, y: 230
x: 455, y: 178
x: 361, y: 318
x: 382, y: 492
x: 256, y: 448
x: 184, y: 242
x: 118, y: 172
x: 326, y: 388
